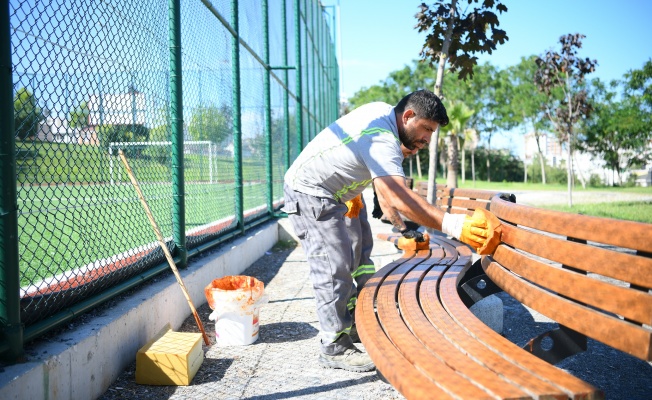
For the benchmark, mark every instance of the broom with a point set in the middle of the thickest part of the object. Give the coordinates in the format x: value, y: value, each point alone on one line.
x: 161, y: 242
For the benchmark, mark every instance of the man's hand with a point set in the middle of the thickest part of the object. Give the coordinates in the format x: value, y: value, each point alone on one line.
x: 481, y: 230
x: 412, y: 234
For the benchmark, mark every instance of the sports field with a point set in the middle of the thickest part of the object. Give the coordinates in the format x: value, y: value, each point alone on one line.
x: 62, y: 228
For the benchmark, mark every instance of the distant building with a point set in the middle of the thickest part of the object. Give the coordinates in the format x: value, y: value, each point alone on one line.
x: 584, y: 165
x: 117, y: 109
x: 55, y: 129
x: 550, y: 147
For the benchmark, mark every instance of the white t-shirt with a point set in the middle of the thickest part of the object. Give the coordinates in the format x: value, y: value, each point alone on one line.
x: 345, y: 157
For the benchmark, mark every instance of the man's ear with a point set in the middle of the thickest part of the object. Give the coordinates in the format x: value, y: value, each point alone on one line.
x: 407, y: 114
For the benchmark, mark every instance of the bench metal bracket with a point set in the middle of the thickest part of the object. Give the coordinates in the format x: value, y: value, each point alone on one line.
x: 557, y: 344
x: 475, y: 285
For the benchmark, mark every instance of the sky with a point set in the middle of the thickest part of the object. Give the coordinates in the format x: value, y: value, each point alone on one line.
x: 378, y: 36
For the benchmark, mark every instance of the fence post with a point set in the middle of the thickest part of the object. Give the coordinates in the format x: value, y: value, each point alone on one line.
x: 297, y: 50
x: 315, y: 64
x: 176, y: 121
x: 286, y: 95
x: 268, y: 110
x: 237, y: 117
x: 11, y: 334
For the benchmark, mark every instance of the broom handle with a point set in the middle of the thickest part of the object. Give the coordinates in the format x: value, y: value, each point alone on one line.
x: 161, y: 242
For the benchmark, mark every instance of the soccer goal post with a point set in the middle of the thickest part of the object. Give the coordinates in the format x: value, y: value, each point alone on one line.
x: 204, y: 149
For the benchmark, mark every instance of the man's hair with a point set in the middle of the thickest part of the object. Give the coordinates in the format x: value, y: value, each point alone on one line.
x: 425, y: 104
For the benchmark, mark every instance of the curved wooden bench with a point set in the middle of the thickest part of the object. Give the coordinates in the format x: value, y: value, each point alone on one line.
x: 591, y: 275
x: 424, y: 340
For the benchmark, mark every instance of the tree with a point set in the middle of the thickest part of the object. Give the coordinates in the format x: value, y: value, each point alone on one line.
x: 456, y: 34
x: 494, y: 106
x: 470, y: 142
x: 566, y: 71
x: 27, y: 114
x: 459, y: 114
x: 211, y: 123
x: 619, y: 131
x: 527, y: 104
x: 639, y: 82
x: 78, y: 118
x: 122, y: 133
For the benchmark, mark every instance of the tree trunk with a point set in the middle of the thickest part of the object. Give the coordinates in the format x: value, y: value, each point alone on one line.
x: 418, y: 165
x: 489, y: 159
x: 473, y: 166
x: 453, y: 162
x: 581, y: 176
x: 463, y: 165
x: 570, y: 141
x: 542, y: 161
x: 411, y: 166
x: 432, y: 167
x: 524, y: 172
x: 443, y: 162
x: 569, y: 175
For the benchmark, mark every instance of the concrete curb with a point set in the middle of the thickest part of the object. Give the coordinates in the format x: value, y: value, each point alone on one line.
x: 82, y: 363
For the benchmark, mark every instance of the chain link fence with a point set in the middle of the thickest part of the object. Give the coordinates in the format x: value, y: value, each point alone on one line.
x: 209, y: 128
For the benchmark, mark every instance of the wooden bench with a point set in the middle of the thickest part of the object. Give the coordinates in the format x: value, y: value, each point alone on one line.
x: 591, y: 275
x: 414, y: 321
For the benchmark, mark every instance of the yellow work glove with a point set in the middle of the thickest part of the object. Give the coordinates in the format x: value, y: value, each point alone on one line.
x: 354, y: 205
x: 481, y: 230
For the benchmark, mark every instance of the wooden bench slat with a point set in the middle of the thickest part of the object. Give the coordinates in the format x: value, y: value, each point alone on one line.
x: 610, y: 330
x: 629, y: 303
x: 453, y: 347
x: 570, y: 385
x: 466, y: 204
x: 625, y: 267
x: 443, y: 191
x: 388, y: 360
x: 481, y: 345
x: 395, y: 328
x: 627, y: 234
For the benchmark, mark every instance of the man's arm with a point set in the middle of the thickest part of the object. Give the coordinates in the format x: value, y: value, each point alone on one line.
x: 481, y: 230
x: 395, y: 197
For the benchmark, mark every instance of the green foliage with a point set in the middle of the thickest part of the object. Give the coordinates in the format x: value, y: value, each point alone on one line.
x: 639, y: 83
x: 122, y: 133
x: 504, y: 165
x: 554, y: 175
x: 27, y: 114
x: 565, y: 71
x: 459, y: 114
x: 78, y: 118
x: 460, y: 32
x: 619, y: 131
x: 211, y: 123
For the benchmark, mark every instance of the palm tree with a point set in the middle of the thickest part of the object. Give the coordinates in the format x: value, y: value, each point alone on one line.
x: 468, y: 141
x: 458, y: 114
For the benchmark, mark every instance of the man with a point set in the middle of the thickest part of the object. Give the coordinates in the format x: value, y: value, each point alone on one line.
x: 362, y: 147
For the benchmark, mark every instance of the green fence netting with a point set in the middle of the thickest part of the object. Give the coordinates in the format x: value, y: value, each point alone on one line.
x: 91, y: 78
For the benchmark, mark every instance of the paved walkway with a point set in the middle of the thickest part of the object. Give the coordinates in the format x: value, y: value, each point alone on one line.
x: 282, y: 364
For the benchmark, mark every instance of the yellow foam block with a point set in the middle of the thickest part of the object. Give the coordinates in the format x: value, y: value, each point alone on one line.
x: 171, y: 358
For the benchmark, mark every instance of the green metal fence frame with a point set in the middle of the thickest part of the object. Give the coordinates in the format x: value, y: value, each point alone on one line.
x: 325, y: 104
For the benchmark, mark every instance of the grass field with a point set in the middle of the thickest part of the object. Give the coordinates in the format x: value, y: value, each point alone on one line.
x: 640, y: 211
x: 76, y: 205
x: 66, y: 227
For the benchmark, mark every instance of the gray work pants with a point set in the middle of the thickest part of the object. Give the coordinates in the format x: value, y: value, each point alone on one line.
x: 362, y: 243
x: 319, y: 224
